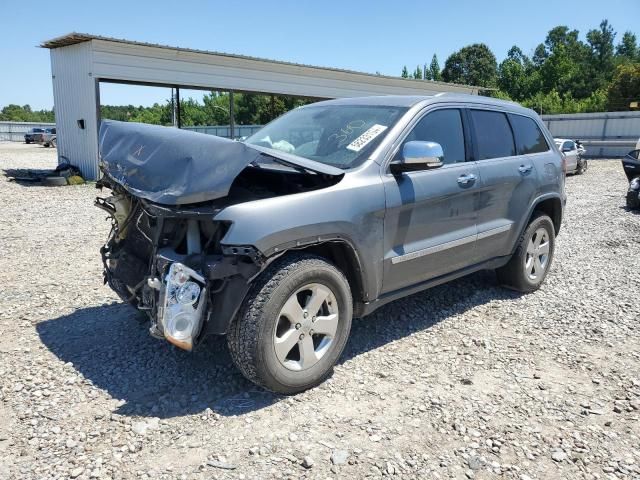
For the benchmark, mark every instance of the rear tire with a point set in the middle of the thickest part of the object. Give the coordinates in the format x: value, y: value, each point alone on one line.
x: 582, y: 167
x: 272, y: 341
x: 530, y: 263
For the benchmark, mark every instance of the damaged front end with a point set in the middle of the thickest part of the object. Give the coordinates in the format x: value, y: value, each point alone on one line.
x: 169, y: 263
x: 164, y: 254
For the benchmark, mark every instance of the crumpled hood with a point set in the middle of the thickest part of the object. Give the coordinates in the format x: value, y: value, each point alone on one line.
x: 175, y: 167
x: 168, y: 165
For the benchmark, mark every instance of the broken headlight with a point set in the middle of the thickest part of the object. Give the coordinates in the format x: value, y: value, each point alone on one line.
x: 634, y: 184
x: 183, y: 305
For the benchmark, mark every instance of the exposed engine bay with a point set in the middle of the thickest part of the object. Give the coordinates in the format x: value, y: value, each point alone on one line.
x: 170, y: 262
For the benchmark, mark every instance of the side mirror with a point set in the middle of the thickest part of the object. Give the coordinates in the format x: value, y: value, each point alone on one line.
x: 418, y: 156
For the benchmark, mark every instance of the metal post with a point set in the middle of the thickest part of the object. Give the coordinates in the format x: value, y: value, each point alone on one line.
x: 231, y: 116
x: 179, y: 122
x: 173, y: 107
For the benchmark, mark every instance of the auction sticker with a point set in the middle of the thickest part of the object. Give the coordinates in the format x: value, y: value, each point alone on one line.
x: 362, y: 141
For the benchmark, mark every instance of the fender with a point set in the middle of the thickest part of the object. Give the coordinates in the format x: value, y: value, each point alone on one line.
x: 532, y: 208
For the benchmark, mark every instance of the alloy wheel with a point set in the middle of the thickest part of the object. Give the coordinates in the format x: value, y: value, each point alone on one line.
x: 306, y: 327
x: 537, y: 257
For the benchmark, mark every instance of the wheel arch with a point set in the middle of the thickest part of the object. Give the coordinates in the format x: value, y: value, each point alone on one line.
x: 345, y: 257
x: 551, y: 206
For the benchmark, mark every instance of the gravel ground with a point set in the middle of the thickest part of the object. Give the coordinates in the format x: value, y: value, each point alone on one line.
x: 467, y: 380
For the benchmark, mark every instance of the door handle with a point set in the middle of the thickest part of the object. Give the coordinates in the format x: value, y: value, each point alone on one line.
x: 467, y: 179
x: 524, y: 168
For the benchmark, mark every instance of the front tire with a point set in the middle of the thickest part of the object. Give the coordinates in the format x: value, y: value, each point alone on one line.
x: 293, y: 325
x: 532, y: 259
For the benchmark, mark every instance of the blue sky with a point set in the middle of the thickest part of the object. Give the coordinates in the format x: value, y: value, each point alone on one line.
x: 365, y: 36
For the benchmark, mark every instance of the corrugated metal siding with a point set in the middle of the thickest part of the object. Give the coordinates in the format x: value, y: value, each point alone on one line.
x: 137, y: 63
x: 75, y: 98
x: 14, y: 131
x: 621, y: 128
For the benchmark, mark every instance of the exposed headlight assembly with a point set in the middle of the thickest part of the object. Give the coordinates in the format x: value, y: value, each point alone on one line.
x: 183, y: 305
x: 634, y: 184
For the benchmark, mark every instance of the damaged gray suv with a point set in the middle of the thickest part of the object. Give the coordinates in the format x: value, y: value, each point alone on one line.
x: 325, y: 214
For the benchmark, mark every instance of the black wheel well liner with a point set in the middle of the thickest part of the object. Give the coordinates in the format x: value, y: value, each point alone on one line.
x: 553, y: 208
x: 343, y: 255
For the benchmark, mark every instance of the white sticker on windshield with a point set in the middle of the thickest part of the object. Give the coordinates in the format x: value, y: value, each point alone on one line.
x: 362, y: 141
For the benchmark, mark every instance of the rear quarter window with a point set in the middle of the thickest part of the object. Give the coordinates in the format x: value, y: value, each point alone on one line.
x: 492, y: 134
x: 529, y: 137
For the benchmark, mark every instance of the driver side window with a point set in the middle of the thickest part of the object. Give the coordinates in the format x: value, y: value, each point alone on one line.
x: 443, y: 127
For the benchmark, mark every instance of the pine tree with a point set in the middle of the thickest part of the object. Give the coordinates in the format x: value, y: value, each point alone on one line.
x: 405, y: 72
x: 434, y: 69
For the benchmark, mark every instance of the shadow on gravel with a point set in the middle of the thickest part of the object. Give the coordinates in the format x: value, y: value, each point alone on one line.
x: 110, y: 346
x: 423, y: 310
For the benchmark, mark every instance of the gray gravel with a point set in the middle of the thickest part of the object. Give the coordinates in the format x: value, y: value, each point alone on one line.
x: 464, y: 381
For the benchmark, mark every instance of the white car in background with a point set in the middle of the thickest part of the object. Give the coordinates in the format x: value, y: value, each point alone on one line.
x: 572, y: 151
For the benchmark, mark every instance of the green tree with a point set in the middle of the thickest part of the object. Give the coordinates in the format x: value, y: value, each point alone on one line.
x: 405, y: 72
x: 417, y: 73
x: 562, y: 61
x: 434, y: 69
x: 24, y: 113
x: 627, y: 49
x: 625, y: 87
x: 601, y: 58
x: 517, y: 75
x: 471, y: 65
x: 539, y: 55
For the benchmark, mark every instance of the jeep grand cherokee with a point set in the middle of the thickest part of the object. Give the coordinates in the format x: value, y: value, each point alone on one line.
x: 325, y: 214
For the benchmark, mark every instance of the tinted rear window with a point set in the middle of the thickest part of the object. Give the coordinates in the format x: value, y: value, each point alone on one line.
x: 493, y: 134
x: 529, y: 137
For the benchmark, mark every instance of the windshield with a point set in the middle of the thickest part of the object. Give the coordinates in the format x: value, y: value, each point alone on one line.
x: 338, y: 135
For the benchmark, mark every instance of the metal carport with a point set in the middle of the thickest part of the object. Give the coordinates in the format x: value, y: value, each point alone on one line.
x: 79, y: 62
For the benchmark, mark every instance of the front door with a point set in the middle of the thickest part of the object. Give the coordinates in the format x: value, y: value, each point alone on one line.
x: 430, y: 219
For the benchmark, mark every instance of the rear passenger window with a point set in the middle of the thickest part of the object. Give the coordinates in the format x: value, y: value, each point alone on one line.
x: 529, y: 137
x: 443, y: 127
x: 493, y: 134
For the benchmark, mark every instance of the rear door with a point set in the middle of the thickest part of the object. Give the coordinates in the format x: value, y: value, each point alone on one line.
x: 508, y: 179
x: 430, y: 218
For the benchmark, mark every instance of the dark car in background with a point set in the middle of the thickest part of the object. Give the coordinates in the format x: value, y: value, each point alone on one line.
x: 29, y: 137
x: 327, y: 213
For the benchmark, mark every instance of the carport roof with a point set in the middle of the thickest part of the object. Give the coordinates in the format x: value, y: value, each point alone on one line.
x: 75, y: 38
